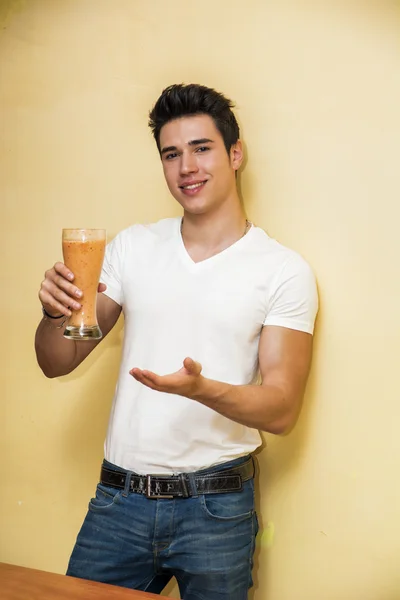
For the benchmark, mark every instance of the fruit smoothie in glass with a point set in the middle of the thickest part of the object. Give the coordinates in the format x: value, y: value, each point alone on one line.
x: 83, y: 251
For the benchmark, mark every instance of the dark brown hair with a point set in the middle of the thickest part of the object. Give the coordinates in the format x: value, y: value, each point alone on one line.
x: 182, y: 100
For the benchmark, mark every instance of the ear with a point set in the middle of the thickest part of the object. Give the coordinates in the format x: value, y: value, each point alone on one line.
x: 236, y: 155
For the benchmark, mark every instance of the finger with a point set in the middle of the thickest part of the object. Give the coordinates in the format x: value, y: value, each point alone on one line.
x: 192, y: 366
x: 150, y: 375
x: 138, y: 375
x: 143, y: 374
x: 159, y: 383
x: 135, y: 372
x: 152, y: 380
x: 63, y: 270
x: 150, y: 383
x: 55, y: 298
x: 102, y: 287
x: 65, y: 285
x: 55, y: 309
x: 57, y: 293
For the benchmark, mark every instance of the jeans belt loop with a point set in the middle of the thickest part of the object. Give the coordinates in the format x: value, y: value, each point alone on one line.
x: 254, y: 462
x: 127, y: 484
x: 185, y: 490
x: 192, y: 485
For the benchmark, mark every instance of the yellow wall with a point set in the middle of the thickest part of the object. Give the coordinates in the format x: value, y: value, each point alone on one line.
x: 317, y: 87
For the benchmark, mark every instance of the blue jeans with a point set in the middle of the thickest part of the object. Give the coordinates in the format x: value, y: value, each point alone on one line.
x: 206, y: 541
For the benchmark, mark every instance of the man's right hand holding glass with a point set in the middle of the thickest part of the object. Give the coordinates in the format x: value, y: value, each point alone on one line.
x: 57, y: 355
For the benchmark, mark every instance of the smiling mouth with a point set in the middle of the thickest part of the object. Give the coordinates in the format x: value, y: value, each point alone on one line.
x: 193, y: 186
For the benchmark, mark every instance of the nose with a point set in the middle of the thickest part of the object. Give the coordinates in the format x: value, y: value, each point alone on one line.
x: 188, y: 163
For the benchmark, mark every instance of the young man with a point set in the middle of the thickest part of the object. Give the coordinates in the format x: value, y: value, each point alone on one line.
x: 210, y: 302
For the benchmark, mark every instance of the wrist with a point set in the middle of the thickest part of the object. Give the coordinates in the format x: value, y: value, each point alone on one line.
x: 210, y: 391
x: 49, y: 316
x: 58, y: 320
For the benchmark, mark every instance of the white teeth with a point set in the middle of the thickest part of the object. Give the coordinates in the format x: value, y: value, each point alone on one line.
x: 192, y: 187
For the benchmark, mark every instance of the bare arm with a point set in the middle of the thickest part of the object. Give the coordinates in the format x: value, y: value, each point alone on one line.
x: 55, y: 354
x: 273, y: 406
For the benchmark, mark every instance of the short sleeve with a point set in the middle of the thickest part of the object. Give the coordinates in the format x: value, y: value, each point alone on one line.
x: 294, y: 298
x: 112, y: 273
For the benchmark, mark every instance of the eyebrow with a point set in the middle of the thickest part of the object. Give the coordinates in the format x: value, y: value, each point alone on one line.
x: 191, y: 143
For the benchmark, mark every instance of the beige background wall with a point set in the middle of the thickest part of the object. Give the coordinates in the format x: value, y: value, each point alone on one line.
x: 317, y: 87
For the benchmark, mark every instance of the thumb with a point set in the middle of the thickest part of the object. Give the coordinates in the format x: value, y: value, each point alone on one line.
x: 192, y: 366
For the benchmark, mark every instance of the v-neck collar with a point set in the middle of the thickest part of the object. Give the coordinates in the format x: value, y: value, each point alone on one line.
x: 215, y: 257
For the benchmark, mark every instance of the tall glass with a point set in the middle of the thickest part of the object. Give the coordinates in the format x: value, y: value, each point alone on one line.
x: 83, y: 251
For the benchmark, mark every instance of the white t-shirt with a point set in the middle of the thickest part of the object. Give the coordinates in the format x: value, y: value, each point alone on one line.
x: 212, y: 311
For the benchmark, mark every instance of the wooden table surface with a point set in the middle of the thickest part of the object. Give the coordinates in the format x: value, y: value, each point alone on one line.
x: 20, y: 583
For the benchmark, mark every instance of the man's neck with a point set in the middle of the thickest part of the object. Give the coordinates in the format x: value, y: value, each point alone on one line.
x: 208, y: 234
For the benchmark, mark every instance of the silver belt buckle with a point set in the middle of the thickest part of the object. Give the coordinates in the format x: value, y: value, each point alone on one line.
x: 153, y: 495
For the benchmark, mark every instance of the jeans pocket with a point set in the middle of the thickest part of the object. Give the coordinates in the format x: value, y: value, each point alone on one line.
x: 230, y: 506
x: 105, y: 497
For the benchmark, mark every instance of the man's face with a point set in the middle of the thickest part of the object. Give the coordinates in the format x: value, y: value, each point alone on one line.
x: 198, y: 170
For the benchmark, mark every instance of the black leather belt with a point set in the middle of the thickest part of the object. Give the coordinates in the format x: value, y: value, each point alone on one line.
x: 181, y: 486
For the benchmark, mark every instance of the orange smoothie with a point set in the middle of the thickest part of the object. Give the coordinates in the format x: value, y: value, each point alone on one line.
x: 85, y: 260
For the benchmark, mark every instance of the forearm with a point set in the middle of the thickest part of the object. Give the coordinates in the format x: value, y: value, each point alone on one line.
x: 259, y: 406
x: 55, y: 354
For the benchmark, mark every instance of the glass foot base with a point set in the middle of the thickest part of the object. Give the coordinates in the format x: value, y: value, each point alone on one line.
x: 92, y: 332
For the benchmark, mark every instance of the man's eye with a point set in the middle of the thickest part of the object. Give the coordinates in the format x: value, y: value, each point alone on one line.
x: 202, y: 149
x: 171, y: 155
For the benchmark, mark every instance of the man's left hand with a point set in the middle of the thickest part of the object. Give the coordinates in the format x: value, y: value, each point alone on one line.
x: 188, y: 381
